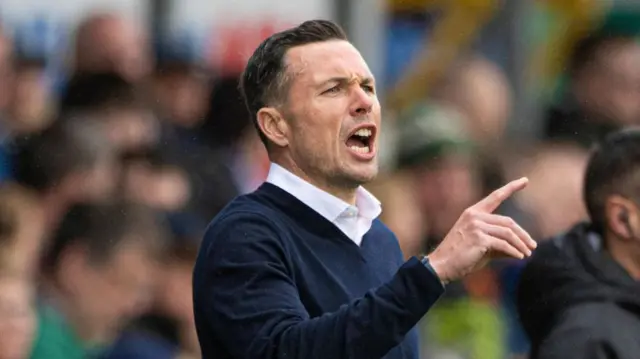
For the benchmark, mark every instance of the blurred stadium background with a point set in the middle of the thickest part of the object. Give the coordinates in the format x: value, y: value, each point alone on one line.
x: 121, y: 127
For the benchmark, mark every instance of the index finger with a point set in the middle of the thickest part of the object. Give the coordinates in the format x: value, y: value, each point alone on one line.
x: 495, y: 199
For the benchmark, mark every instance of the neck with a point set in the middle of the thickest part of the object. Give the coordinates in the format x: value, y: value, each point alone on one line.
x: 345, y: 193
x: 627, y: 254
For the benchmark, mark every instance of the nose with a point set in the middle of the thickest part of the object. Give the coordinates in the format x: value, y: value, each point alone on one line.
x: 362, y: 103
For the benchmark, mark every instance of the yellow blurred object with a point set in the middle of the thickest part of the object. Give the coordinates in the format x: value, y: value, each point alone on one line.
x: 461, y: 21
x: 410, y: 5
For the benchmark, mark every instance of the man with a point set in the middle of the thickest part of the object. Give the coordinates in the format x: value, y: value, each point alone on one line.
x: 302, y: 267
x: 579, y: 296
x: 166, y: 330
x: 602, y: 90
x: 123, y: 47
x: 68, y: 163
x: 98, y: 274
x: 118, y: 104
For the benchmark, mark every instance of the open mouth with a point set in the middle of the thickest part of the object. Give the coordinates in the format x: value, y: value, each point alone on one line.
x: 361, y: 141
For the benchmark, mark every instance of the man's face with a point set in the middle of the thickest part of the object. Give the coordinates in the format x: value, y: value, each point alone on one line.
x: 108, y: 295
x: 445, y: 188
x: 99, y: 182
x: 131, y: 129
x: 612, y: 87
x: 122, y: 48
x: 331, y: 99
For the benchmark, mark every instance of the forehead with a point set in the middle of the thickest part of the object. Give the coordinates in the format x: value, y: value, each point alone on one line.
x: 318, y: 62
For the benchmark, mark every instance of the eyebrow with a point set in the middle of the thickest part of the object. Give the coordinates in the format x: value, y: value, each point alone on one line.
x: 345, y: 80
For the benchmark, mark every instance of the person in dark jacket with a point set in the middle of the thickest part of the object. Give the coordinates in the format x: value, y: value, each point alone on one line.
x: 579, y: 296
x: 302, y: 267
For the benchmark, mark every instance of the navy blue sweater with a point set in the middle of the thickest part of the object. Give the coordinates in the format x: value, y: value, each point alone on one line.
x: 276, y: 280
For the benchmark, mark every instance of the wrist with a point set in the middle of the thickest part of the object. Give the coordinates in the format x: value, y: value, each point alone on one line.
x: 438, y: 266
x: 436, y: 270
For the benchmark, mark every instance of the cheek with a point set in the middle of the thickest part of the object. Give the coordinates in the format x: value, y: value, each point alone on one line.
x: 314, y: 137
x: 317, y: 128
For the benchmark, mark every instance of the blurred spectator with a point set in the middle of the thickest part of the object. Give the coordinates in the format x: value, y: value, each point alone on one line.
x: 167, y: 331
x: 555, y: 171
x: 17, y: 315
x: 480, y: 91
x: 68, y: 163
x: 21, y: 230
x: 228, y: 129
x: 21, y: 234
x: 31, y: 107
x: 438, y: 154
x: 100, y: 272
x: 602, y: 92
x: 154, y: 183
x: 122, y: 48
x: 436, y: 149
x: 401, y: 211
x: 228, y: 118
x: 180, y: 85
x: 184, y: 145
x: 579, y: 296
x: 119, y: 104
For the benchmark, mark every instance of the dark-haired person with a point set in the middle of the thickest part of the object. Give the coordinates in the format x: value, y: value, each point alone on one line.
x: 119, y: 104
x: 98, y: 273
x: 109, y: 41
x: 579, y: 296
x: 302, y: 268
x: 602, y: 91
x: 70, y: 162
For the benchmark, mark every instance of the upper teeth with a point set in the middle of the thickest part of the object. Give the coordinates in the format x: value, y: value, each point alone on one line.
x: 363, y: 132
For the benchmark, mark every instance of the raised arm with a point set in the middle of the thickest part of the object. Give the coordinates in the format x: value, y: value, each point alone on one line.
x: 250, y: 301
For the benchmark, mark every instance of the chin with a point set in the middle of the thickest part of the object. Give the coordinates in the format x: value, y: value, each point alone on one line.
x: 362, y: 174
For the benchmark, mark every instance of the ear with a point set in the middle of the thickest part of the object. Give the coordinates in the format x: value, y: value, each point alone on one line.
x: 273, y: 126
x: 619, y: 212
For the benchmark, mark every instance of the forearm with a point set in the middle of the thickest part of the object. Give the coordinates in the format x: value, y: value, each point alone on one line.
x: 366, y: 328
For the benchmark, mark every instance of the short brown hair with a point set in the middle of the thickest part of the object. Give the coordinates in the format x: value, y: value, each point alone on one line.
x: 264, y: 80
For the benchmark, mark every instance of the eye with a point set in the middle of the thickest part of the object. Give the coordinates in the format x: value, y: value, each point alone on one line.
x: 369, y: 88
x: 333, y: 90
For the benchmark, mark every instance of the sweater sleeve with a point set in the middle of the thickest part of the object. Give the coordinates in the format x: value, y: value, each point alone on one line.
x: 249, y: 299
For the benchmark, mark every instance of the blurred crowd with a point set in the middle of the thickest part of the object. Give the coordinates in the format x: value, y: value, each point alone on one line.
x: 110, y: 175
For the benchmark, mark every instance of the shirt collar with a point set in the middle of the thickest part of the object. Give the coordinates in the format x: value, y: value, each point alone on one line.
x: 326, y: 204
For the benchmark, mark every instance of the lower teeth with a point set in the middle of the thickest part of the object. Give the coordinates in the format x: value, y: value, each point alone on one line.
x: 360, y: 149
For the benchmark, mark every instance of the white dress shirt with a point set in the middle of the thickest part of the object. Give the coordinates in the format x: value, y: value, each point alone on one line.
x: 353, y: 221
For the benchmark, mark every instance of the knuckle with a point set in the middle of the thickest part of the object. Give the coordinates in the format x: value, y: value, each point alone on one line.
x: 477, y: 233
x: 470, y: 213
x: 475, y: 223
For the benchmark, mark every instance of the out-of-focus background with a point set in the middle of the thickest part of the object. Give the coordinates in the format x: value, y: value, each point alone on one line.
x: 122, y: 133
